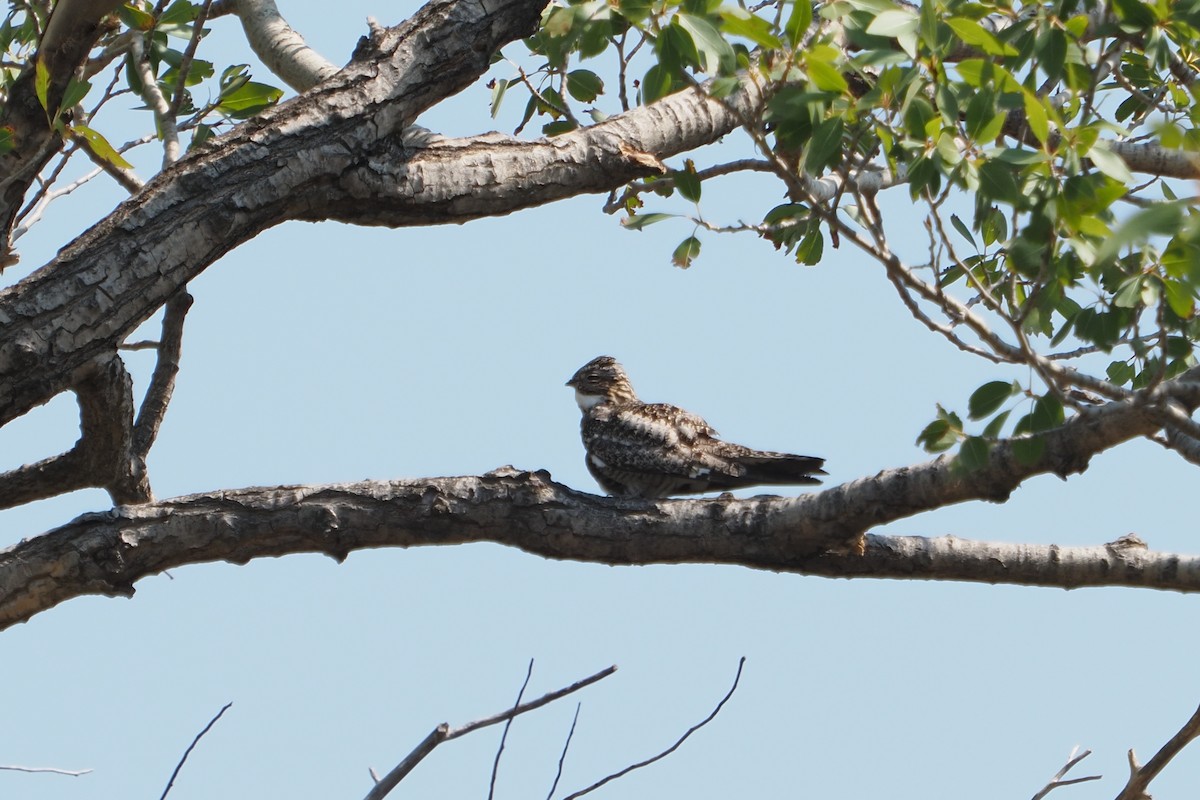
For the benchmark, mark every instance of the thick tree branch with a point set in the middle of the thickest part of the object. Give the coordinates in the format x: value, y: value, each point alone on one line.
x: 120, y: 271
x: 814, y: 534
x: 103, y: 457
x: 279, y: 47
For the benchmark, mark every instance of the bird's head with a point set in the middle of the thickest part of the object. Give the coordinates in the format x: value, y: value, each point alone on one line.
x: 601, y: 380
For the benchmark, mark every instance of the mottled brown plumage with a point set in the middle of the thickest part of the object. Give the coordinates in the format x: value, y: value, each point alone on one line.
x: 652, y: 450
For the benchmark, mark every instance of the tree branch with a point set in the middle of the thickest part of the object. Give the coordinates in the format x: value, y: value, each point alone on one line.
x: 103, y: 457
x: 821, y: 533
x: 1140, y: 777
x: 279, y: 47
x: 672, y: 748
x: 191, y: 747
x: 1058, y: 781
x: 162, y: 382
x: 120, y: 271
x: 444, y: 733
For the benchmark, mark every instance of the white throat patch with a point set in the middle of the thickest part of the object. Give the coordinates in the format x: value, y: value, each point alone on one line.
x: 587, y: 401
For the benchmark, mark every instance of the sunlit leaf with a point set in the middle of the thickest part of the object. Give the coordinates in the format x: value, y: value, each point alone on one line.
x: 687, y: 252
x: 100, y: 146
x: 635, y: 222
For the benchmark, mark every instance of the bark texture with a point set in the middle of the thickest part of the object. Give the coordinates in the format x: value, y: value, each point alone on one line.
x: 106, y: 553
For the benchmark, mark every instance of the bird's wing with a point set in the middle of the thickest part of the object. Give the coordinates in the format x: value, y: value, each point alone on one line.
x: 652, y: 440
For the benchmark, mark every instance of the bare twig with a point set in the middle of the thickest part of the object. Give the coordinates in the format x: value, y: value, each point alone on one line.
x: 563, y: 756
x: 444, y: 733
x: 672, y: 748
x: 1140, y: 777
x: 191, y: 747
x: 1057, y: 780
x: 74, y: 773
x: 504, y: 736
x: 162, y: 382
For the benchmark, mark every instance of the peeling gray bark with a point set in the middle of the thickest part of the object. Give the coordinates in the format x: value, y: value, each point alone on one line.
x: 107, y: 553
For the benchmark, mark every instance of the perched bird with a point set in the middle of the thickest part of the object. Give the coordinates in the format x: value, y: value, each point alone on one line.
x: 651, y: 450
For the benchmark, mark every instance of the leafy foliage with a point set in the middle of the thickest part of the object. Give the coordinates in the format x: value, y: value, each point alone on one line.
x: 1013, y: 126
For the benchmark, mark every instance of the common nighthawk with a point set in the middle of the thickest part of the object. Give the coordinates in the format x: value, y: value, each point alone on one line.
x: 651, y: 450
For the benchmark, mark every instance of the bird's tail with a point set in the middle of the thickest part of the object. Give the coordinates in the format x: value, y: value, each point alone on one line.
x: 781, y: 468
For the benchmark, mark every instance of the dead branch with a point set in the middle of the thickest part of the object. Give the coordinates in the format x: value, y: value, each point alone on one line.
x: 672, y: 748
x: 74, y: 773
x: 504, y: 735
x: 191, y: 747
x: 1140, y: 776
x: 444, y: 733
x: 563, y: 756
x: 162, y: 382
x: 1058, y: 781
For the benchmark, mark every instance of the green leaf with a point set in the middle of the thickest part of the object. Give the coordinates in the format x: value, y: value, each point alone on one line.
x: 7, y: 139
x: 716, y: 54
x: 100, y: 146
x: 76, y: 90
x: 635, y: 222
x: 974, y: 452
x: 558, y: 127
x: 247, y: 100
x: 811, y: 247
x: 180, y: 12
x: 687, y: 252
x: 1108, y: 163
x: 1159, y: 219
x: 1047, y: 413
x: 1179, y: 298
x: 687, y: 182
x: 937, y: 437
x: 988, y: 398
x: 584, y: 85
x: 1036, y: 118
x: 975, y: 35
x: 962, y: 229
x: 740, y: 22
x: 41, y: 84
x: 135, y: 18
x: 1129, y: 295
x: 659, y: 81
x: 1120, y: 372
x: 825, y: 76
x: 825, y: 145
x: 893, y: 23
x: 799, y: 21
x: 992, y: 431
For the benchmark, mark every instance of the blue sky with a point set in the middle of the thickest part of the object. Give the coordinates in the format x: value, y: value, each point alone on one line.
x: 328, y: 353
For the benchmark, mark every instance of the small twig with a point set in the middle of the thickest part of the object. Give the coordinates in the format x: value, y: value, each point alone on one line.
x: 162, y: 382
x: 1057, y: 780
x: 192, y: 746
x: 563, y: 757
x: 74, y: 773
x: 504, y: 735
x: 672, y: 748
x: 1140, y: 777
x: 444, y: 733
x: 189, y: 53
